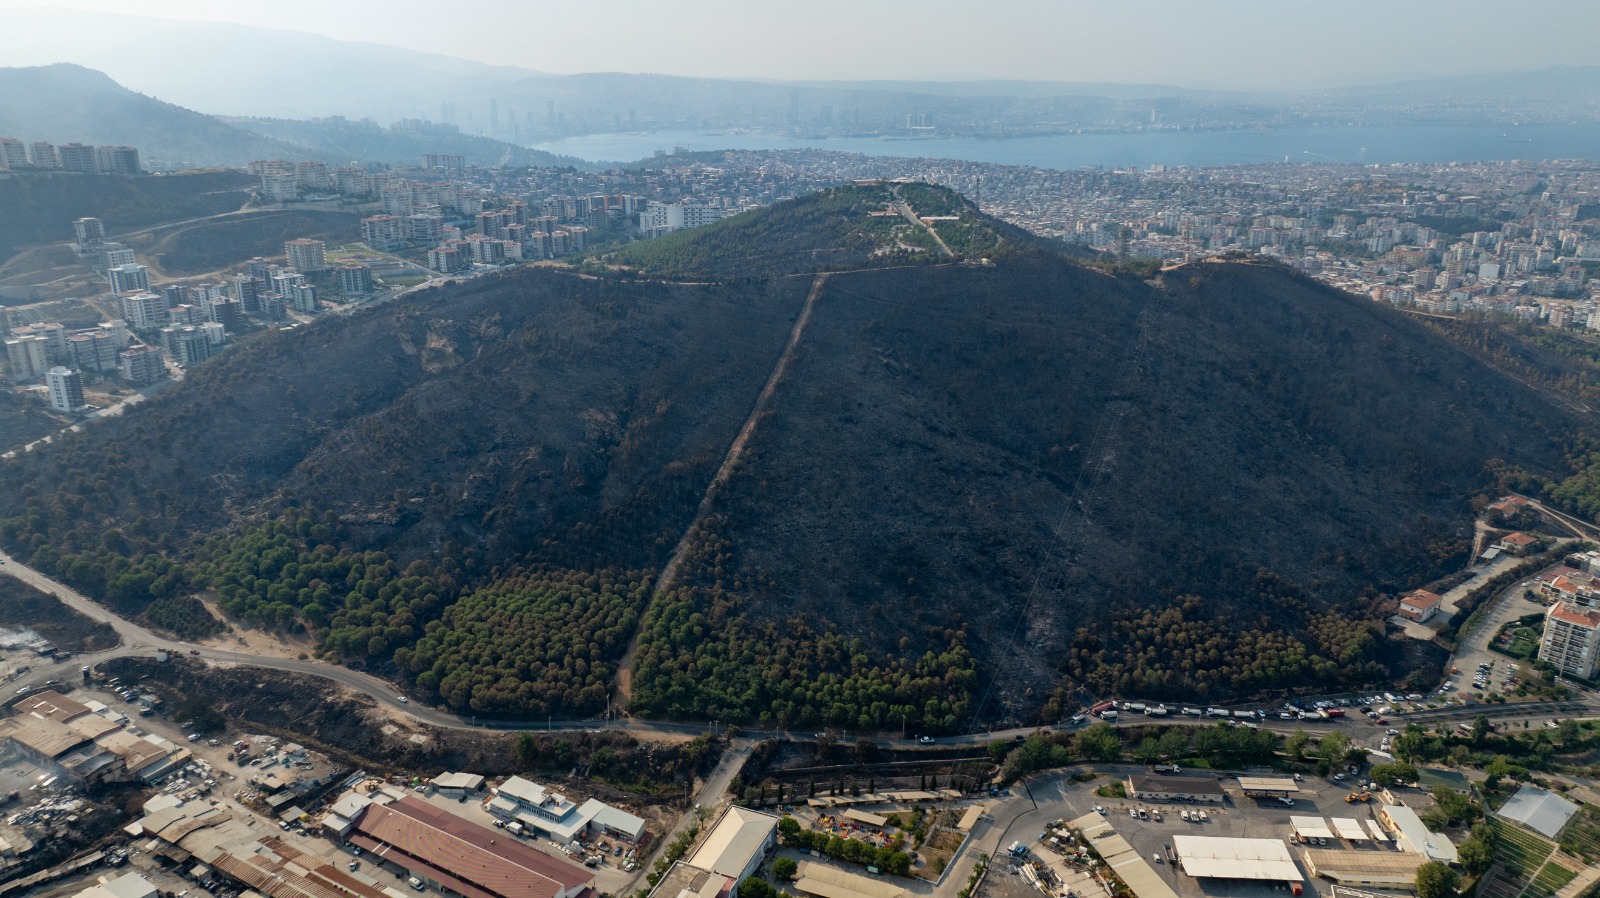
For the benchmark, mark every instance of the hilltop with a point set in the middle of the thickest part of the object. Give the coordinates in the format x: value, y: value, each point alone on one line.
x: 63, y: 103
x: 992, y: 469
x: 852, y: 227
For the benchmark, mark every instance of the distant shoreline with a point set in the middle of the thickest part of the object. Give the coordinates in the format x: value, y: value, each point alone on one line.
x: 1358, y: 144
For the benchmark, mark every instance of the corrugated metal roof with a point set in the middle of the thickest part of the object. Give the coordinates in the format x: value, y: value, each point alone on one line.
x: 497, y: 864
x: 1539, y: 809
x: 1213, y: 857
x: 1311, y: 827
x: 737, y: 837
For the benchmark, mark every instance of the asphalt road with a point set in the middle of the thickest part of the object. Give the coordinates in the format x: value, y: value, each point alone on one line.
x: 139, y: 641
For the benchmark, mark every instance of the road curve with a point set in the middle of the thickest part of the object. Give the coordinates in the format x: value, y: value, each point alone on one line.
x: 140, y: 641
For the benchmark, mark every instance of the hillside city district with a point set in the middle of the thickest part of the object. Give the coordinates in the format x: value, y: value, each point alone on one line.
x: 223, y: 813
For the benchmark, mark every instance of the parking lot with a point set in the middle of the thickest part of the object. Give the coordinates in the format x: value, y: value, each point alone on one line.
x: 1238, y: 817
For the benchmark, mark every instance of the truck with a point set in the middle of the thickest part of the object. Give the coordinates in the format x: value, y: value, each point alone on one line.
x: 1216, y: 712
x: 1192, y: 712
x: 1334, y: 713
x: 1244, y: 715
x: 1108, y: 714
x: 1157, y: 711
x: 1133, y: 707
x: 1102, y: 706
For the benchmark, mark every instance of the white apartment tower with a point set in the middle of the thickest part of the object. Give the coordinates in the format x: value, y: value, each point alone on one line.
x: 128, y: 278
x: 66, y: 389
x: 305, y: 254
x: 1572, y: 639
x: 89, y: 232
x: 13, y: 153
x: 28, y: 357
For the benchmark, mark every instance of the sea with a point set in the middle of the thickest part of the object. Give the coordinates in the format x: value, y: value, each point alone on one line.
x: 1354, y: 144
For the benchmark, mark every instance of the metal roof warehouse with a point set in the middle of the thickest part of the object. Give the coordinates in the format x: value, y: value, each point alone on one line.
x: 1212, y: 857
x: 462, y: 856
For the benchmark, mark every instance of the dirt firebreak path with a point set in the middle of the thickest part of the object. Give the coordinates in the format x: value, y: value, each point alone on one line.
x: 730, y: 461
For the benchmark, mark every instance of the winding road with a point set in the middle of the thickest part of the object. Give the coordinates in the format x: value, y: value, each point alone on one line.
x: 140, y: 641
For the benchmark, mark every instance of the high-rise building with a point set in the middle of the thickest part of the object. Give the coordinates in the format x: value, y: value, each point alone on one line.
x: 1572, y: 639
x: 247, y: 294
x: 142, y: 365
x: 89, y: 232
x: 227, y: 312
x: 112, y: 254
x: 355, y: 280
x: 55, y: 339
x: 383, y: 232
x: 285, y: 280
x: 273, y: 307
x: 93, y: 350
x: 313, y: 177
x: 143, y: 310
x: 302, y: 297
x: 66, y: 389
x: 425, y: 228
x: 305, y: 254
x: 28, y: 357
x: 42, y: 154
x: 397, y: 199
x: 116, y: 160
x: 76, y: 157
x: 186, y: 344
x: 450, y: 257
x: 280, y: 187
x: 13, y: 153
x: 128, y: 278
x: 215, y: 333
x: 352, y: 180
x: 118, y: 329
x: 442, y: 160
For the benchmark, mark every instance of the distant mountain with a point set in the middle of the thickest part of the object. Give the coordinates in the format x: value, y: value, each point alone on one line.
x: 236, y: 70
x: 64, y: 103
x: 994, y: 471
x: 345, y: 139
x: 228, y: 69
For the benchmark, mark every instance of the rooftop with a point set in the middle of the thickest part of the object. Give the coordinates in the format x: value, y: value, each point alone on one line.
x: 1213, y: 857
x: 1422, y: 598
x: 1189, y: 785
x: 486, y: 862
x: 1412, y: 831
x: 738, y: 836
x: 1363, y: 866
x: 1268, y: 784
x: 1578, y: 617
x: 1538, y: 809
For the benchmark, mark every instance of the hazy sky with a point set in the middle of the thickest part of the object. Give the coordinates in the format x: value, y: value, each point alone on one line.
x: 1220, y: 43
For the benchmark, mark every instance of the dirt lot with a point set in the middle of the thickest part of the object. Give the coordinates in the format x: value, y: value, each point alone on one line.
x: 351, y: 728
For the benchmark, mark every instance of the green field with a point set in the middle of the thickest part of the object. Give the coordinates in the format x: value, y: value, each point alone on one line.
x: 1519, y: 851
x: 1550, y: 880
x: 1581, y: 835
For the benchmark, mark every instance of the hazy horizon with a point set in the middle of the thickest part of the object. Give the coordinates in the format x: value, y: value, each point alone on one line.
x: 1170, y: 42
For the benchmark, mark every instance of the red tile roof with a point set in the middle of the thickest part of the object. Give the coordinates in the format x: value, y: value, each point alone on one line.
x: 1582, y: 617
x: 1422, y: 598
x: 495, y: 863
